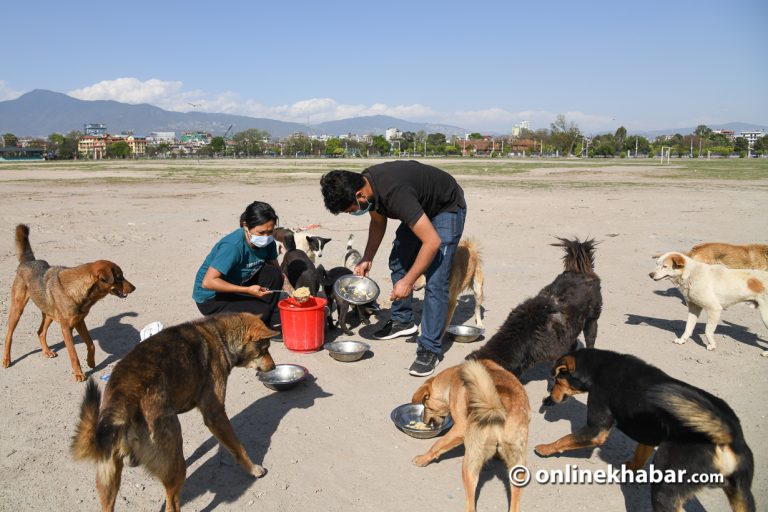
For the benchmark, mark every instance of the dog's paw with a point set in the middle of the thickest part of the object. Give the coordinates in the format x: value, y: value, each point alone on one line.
x: 544, y: 450
x: 91, y: 361
x: 79, y: 377
x: 7, y: 362
x: 764, y: 353
x: 711, y: 347
x: 421, y: 460
x: 680, y: 341
x: 258, y: 471
x: 50, y: 354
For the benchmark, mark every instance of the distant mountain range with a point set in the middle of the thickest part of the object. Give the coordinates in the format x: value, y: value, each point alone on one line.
x: 40, y: 113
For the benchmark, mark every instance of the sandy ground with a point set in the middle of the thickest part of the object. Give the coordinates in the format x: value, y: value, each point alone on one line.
x: 329, y: 444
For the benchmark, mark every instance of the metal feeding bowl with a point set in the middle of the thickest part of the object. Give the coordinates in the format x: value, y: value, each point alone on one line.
x: 347, y: 351
x: 356, y: 290
x: 464, y: 333
x: 407, y: 418
x: 283, y: 376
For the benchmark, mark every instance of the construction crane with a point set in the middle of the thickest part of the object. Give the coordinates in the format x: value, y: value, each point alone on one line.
x: 227, y: 132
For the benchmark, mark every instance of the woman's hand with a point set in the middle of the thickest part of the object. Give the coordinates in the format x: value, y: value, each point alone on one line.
x: 363, y: 268
x: 257, y: 291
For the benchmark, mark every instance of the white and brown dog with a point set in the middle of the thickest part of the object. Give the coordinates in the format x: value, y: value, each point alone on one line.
x: 712, y: 288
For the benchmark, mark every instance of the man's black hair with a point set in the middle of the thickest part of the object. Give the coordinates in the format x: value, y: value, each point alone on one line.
x: 339, y: 189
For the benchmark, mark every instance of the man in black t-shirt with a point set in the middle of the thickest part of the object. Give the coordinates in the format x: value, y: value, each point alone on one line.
x: 430, y: 206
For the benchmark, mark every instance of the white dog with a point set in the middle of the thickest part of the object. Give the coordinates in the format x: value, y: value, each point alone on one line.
x: 712, y: 288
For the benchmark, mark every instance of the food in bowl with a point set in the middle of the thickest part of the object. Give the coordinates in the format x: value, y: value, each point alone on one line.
x: 301, y: 295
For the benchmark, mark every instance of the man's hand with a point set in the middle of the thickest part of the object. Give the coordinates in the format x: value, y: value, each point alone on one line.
x: 402, y: 289
x: 362, y: 268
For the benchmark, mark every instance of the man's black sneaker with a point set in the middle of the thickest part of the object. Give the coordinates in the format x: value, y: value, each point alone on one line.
x: 394, y: 329
x: 424, y: 364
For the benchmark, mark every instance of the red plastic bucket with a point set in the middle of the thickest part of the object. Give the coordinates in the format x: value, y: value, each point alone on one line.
x: 303, y: 324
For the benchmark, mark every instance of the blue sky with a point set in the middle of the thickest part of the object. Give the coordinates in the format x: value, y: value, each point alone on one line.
x: 484, y: 66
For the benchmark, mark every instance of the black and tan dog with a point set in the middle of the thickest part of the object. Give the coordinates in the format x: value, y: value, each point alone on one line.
x: 62, y: 294
x: 546, y: 326
x: 490, y: 411
x: 695, y: 432
x: 172, y: 372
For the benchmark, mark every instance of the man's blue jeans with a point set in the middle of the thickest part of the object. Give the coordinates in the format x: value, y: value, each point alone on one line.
x: 449, y: 226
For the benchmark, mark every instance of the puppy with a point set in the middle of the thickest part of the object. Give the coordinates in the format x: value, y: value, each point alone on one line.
x: 364, y: 311
x: 352, y: 257
x: 179, y: 368
x: 695, y: 431
x: 547, y: 326
x: 491, y: 413
x: 300, y: 270
x: 712, y: 288
x: 312, y: 245
x: 466, y: 273
x: 62, y: 294
x: 753, y: 256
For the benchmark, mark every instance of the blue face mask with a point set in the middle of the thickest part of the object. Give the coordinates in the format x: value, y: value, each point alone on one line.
x: 360, y: 210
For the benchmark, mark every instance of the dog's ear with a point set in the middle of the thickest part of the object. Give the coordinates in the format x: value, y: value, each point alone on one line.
x: 678, y: 261
x: 564, y: 366
x: 326, y: 240
x: 422, y: 394
x: 257, y: 330
x: 104, y: 272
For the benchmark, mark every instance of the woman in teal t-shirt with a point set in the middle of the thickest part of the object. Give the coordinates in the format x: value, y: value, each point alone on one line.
x: 242, y: 267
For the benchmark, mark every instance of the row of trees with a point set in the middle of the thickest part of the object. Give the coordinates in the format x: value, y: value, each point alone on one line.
x: 563, y: 138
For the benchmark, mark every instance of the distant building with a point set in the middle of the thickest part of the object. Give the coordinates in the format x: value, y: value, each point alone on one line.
x: 519, y: 127
x: 95, y: 147
x: 95, y: 129
x: 160, y: 137
x: 730, y: 134
x: 19, y: 153
x: 752, y: 136
x: 392, y: 134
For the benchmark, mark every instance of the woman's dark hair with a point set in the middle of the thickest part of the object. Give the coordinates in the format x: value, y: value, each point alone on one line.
x: 339, y: 189
x: 258, y: 213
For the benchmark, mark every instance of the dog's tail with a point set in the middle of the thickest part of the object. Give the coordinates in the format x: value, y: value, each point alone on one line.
x: 710, y: 417
x: 694, y: 410
x: 23, y: 249
x: 349, y: 241
x: 484, y: 402
x: 93, y: 438
x: 579, y: 256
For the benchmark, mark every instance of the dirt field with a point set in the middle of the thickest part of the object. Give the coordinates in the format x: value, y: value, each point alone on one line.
x: 329, y: 444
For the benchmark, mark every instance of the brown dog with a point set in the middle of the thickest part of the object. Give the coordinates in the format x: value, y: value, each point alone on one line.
x: 175, y: 370
x: 752, y: 256
x: 490, y: 411
x: 62, y: 294
x: 466, y: 273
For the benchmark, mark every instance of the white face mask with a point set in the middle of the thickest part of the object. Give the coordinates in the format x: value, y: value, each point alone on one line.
x: 259, y: 240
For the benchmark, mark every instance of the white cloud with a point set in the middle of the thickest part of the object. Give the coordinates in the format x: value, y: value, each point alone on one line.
x: 6, y: 93
x: 170, y: 95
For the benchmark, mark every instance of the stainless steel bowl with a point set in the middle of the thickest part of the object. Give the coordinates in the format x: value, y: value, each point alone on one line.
x: 464, y: 333
x: 356, y: 290
x: 283, y: 376
x: 347, y: 351
x: 403, y: 415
